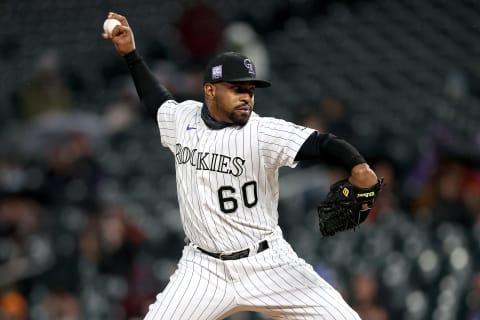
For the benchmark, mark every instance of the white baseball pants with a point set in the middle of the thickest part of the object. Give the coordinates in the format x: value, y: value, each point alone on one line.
x: 275, y: 282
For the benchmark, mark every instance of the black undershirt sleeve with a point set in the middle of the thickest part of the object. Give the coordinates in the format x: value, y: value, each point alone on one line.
x: 326, y: 146
x: 152, y: 94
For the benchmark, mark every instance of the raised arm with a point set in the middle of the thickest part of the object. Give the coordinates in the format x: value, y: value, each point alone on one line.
x: 152, y: 94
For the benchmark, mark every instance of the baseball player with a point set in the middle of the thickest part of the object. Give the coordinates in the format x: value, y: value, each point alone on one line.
x: 227, y: 159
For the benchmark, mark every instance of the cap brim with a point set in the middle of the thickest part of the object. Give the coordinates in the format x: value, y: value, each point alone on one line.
x: 256, y: 82
x: 261, y: 83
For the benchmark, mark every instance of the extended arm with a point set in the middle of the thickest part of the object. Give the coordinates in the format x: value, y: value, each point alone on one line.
x: 329, y: 147
x: 152, y: 94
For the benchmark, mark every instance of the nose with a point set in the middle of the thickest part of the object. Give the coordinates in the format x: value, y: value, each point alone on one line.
x: 247, y: 92
x: 248, y: 103
x: 247, y: 96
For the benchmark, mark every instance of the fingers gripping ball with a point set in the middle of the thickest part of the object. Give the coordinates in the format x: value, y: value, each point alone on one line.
x: 109, y: 25
x: 346, y: 206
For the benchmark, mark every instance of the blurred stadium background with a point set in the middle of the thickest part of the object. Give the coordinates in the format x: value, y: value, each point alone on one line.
x: 89, y: 227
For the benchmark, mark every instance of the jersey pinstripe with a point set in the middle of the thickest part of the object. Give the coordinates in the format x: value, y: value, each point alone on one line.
x: 227, y: 179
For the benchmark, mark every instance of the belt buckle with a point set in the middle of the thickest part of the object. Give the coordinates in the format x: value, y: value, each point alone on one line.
x: 234, y: 255
x: 222, y: 255
x: 256, y: 248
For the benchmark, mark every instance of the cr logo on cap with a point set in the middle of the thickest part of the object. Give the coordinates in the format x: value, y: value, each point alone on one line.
x: 217, y: 72
x: 249, y: 65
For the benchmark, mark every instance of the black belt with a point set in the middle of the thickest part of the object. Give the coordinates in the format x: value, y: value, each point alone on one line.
x: 262, y: 246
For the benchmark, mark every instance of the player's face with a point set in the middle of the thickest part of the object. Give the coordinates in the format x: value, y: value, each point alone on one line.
x: 230, y: 102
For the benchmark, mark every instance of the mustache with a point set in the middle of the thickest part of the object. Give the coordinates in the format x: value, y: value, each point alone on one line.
x: 245, y: 103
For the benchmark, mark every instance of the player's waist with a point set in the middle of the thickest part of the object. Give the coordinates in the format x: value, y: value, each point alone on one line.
x: 272, y: 239
x: 240, y: 254
x: 252, y: 250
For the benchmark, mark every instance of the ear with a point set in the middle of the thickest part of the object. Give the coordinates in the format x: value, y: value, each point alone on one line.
x: 209, y: 90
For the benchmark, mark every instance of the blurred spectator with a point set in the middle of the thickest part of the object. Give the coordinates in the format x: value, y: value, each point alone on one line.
x: 441, y: 200
x: 46, y: 91
x: 181, y: 82
x: 366, y: 298
x: 124, y: 111
x: 89, y: 243
x: 73, y: 175
x: 314, y: 120
x: 62, y: 305
x: 119, y: 237
x: 440, y: 142
x: 13, y: 306
x: 199, y: 27
x: 13, y: 174
x: 110, y: 242
x: 374, y: 312
x: 330, y: 115
x: 26, y: 251
x: 142, y: 289
x: 335, y: 118
x: 241, y: 37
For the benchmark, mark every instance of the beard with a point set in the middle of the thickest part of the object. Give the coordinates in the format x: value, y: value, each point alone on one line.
x: 239, y: 118
x: 240, y: 115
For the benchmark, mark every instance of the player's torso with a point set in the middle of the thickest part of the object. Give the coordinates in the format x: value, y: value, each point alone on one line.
x: 226, y: 196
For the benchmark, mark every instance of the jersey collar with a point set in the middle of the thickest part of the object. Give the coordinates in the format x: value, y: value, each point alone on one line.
x: 212, y: 123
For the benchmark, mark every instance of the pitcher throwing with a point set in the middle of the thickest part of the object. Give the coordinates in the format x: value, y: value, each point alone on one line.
x: 227, y: 159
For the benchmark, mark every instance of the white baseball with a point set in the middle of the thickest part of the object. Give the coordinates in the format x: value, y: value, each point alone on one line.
x: 109, y: 25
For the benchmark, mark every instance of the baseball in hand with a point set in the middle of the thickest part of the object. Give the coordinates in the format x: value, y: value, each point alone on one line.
x: 109, y: 25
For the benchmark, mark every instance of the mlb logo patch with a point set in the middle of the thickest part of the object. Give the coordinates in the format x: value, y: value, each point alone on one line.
x: 217, y: 72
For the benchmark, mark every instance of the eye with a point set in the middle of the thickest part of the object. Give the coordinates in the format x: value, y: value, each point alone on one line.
x: 241, y: 89
x: 250, y: 91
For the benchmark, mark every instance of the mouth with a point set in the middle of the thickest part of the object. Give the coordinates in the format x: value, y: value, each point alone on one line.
x: 244, y: 107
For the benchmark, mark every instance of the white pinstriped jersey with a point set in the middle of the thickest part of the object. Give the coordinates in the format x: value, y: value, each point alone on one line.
x: 227, y: 180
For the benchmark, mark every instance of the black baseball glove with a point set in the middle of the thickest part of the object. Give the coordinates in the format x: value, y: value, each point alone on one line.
x: 346, y: 206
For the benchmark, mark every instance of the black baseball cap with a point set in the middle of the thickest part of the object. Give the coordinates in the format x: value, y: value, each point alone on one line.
x: 233, y: 67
